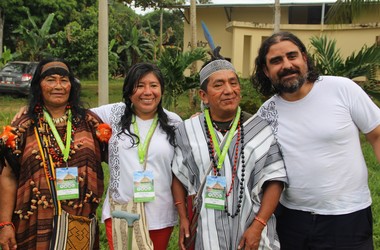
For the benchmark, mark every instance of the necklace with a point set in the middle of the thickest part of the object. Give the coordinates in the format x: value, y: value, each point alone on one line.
x: 240, y: 138
x: 222, y: 128
x: 58, y: 147
x: 60, y: 119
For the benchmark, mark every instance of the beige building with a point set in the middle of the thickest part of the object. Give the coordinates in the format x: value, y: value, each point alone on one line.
x: 239, y: 28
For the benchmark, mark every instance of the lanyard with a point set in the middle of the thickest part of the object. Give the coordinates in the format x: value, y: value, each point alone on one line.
x: 65, y: 150
x: 143, y: 147
x: 221, y: 156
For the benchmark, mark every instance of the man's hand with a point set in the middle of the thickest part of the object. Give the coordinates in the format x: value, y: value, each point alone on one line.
x: 251, y: 237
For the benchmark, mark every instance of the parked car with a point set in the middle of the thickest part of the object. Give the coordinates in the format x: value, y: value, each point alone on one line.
x: 15, y: 77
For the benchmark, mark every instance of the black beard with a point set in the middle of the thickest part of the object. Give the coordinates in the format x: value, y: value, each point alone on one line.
x: 289, y: 86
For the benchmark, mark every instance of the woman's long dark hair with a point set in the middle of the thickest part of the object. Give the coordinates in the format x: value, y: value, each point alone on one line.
x: 35, y: 94
x: 135, y: 73
x: 260, y: 81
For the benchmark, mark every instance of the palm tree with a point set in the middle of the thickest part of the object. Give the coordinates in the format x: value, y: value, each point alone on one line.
x: 329, y: 61
x: 344, y: 11
x: 363, y: 63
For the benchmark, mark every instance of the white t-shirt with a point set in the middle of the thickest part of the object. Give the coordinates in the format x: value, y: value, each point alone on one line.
x: 123, y: 161
x: 319, y: 138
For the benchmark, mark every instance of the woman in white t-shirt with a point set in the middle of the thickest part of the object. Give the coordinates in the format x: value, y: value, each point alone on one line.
x: 140, y: 153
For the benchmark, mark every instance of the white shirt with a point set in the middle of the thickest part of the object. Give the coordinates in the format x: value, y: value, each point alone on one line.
x: 123, y: 161
x: 319, y: 138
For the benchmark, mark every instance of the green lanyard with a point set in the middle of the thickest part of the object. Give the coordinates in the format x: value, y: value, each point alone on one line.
x: 143, y: 147
x: 221, y: 156
x: 65, y: 150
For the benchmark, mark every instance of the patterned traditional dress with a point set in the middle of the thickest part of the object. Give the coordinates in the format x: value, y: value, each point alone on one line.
x: 263, y: 162
x: 34, y: 210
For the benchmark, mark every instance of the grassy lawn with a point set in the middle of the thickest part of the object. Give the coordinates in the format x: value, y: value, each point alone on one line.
x: 9, y: 105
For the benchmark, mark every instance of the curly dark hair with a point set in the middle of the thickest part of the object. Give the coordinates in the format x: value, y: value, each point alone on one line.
x: 35, y: 94
x: 135, y: 73
x: 260, y: 81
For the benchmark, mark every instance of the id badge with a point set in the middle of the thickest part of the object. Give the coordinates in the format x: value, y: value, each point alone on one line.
x: 67, y: 183
x: 215, y: 192
x: 143, y: 186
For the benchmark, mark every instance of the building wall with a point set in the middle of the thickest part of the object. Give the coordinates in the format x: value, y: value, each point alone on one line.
x: 241, y: 37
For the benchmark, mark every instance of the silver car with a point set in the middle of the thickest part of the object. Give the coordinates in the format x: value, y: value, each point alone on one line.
x: 15, y: 77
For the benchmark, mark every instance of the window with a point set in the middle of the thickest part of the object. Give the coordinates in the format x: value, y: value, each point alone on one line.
x: 306, y: 14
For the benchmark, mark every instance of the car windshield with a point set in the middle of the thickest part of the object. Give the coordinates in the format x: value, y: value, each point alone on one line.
x: 15, y: 68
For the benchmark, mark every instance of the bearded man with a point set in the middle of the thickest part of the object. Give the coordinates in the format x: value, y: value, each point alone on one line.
x: 317, y: 121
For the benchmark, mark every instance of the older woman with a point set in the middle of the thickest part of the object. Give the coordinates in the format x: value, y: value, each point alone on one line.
x: 52, y: 177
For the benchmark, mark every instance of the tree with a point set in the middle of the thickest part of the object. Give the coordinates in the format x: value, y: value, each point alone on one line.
x: 1, y: 31
x: 77, y: 43
x: 155, y: 4
x: 65, y: 11
x: 344, y: 11
x: 330, y: 62
x: 135, y: 46
x: 172, y: 22
x: 173, y: 63
x: 33, y: 42
x: 363, y: 63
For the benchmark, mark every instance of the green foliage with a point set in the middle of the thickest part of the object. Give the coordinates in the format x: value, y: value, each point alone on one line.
x: 173, y: 62
x: 7, y: 56
x: 365, y: 63
x: 14, y: 10
x: 112, y: 59
x: 135, y: 45
x: 71, y: 33
x: 172, y: 26
x: 251, y: 100
x: 78, y: 45
x: 34, y: 41
x: 154, y: 3
x: 329, y: 61
x: 344, y: 11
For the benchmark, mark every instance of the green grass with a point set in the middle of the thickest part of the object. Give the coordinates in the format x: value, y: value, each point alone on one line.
x: 9, y: 105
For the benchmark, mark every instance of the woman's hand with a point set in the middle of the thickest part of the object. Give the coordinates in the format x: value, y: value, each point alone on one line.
x: 184, y: 232
x: 7, y: 238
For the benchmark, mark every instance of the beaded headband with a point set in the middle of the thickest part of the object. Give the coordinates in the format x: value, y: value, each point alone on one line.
x: 214, y: 66
x: 55, y: 64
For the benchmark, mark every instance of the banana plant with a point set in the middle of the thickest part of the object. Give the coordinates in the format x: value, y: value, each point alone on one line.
x: 36, y: 39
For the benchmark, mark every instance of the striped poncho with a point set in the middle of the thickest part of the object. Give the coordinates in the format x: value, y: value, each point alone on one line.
x: 263, y: 162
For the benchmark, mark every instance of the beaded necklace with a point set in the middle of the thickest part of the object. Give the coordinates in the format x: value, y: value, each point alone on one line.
x: 51, y: 144
x: 222, y: 130
x: 239, y: 140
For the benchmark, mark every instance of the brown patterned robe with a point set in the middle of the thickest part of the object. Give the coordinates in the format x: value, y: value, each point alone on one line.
x: 34, y: 211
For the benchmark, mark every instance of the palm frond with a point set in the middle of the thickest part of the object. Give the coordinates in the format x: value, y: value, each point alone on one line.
x: 344, y: 11
x: 326, y: 55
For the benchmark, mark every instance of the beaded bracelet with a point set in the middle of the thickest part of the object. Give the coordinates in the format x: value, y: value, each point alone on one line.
x: 262, y: 222
x: 3, y: 224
